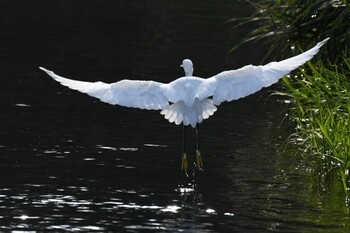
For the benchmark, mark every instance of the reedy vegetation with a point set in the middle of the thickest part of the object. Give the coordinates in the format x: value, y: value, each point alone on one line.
x: 282, y: 25
x: 320, y: 92
x: 321, y: 109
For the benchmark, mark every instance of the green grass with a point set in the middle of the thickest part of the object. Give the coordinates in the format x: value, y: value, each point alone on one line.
x: 321, y: 114
x: 282, y: 25
x: 320, y: 94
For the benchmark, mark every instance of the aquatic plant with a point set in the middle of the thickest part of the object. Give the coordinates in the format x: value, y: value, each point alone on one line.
x: 321, y: 111
x: 320, y: 93
x: 282, y: 25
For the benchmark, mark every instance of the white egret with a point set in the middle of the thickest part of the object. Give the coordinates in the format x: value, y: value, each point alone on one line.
x: 189, y: 100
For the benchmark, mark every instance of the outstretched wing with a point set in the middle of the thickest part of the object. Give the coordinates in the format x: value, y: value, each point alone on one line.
x: 235, y: 84
x: 137, y: 94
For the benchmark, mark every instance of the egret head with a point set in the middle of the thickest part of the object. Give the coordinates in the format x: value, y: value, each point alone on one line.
x: 188, y: 67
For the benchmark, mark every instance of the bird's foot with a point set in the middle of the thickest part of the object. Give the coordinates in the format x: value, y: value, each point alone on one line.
x: 199, y: 160
x: 184, y: 164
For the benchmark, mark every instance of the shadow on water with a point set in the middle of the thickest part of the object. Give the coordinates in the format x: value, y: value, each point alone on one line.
x: 71, y: 163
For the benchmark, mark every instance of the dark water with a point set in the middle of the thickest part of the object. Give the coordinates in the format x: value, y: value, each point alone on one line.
x: 71, y: 163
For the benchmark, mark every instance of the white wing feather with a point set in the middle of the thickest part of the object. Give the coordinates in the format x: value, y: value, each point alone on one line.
x: 235, y: 84
x: 137, y: 94
x: 190, y: 96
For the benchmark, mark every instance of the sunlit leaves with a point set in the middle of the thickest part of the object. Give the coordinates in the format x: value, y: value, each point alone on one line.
x: 321, y: 113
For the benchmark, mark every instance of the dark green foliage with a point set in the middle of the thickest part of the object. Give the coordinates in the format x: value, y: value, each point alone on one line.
x: 287, y: 24
x: 321, y: 110
x: 319, y: 95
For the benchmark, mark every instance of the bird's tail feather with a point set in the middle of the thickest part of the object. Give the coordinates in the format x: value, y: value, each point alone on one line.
x: 179, y: 113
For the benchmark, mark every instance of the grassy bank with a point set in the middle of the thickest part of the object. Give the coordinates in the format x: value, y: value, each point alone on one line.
x: 321, y: 110
x: 283, y: 26
x: 320, y: 105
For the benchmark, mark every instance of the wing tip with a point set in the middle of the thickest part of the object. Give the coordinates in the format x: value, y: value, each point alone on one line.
x: 323, y: 42
x: 46, y: 70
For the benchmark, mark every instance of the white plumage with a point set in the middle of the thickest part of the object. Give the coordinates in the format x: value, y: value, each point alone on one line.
x: 189, y: 100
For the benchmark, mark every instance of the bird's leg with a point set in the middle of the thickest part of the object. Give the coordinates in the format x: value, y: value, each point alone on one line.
x: 198, y: 154
x: 184, y: 164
